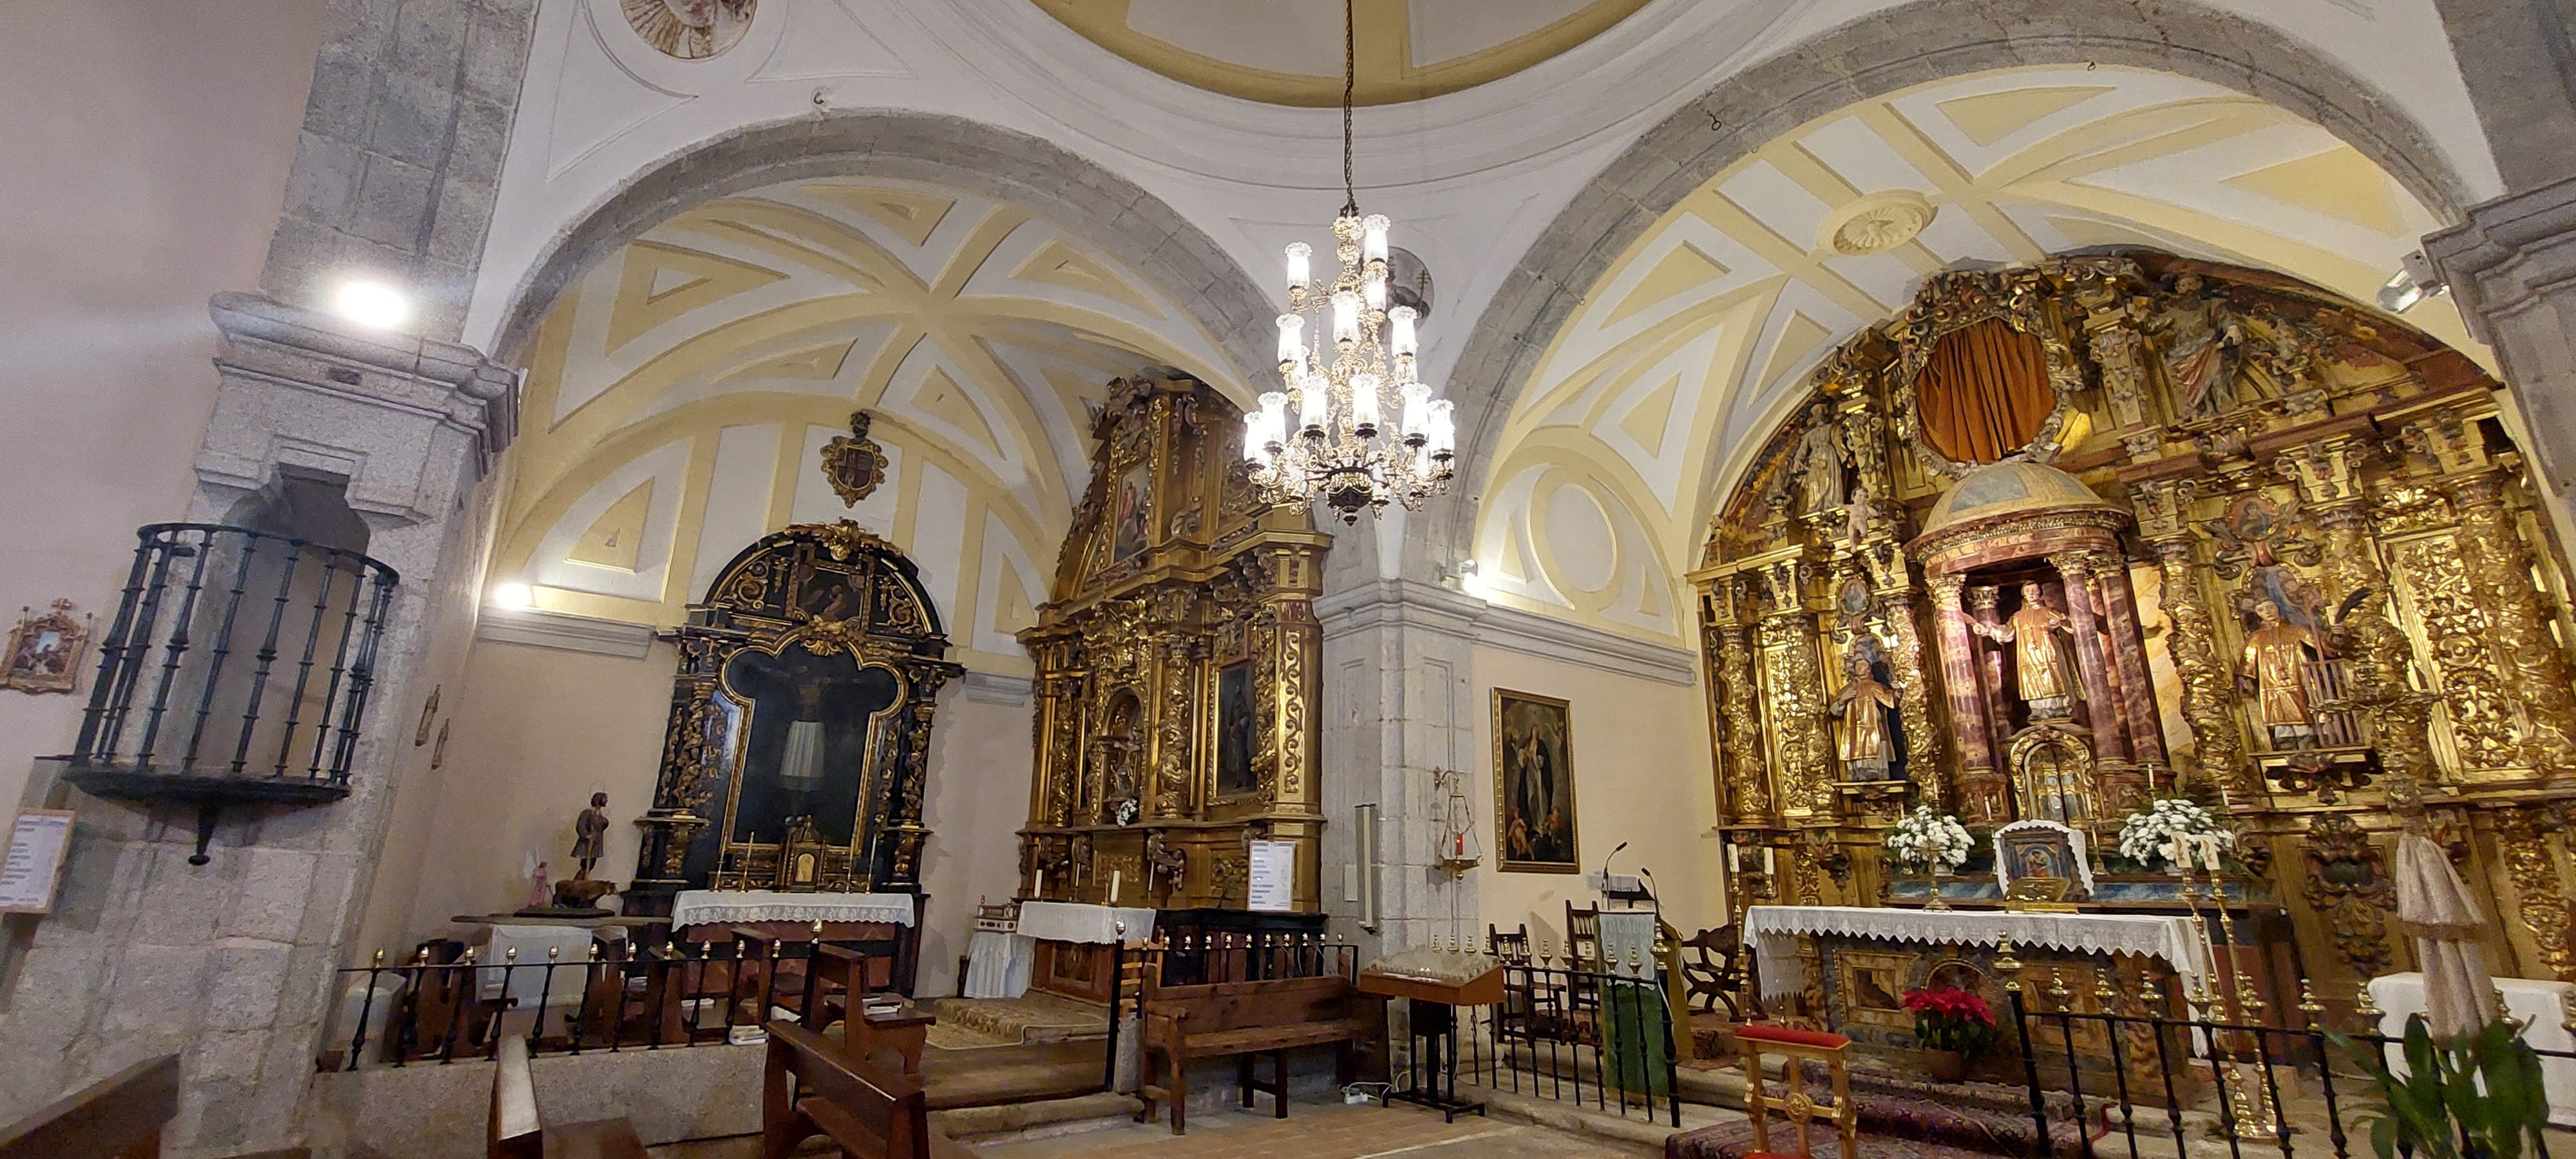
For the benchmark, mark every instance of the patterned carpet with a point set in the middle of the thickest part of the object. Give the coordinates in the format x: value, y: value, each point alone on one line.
x: 1033, y: 1017
x: 1892, y: 1125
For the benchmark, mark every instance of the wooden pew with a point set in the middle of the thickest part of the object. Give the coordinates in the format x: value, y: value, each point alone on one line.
x: 517, y: 1131
x: 1244, y: 1019
x: 808, y: 1089
x: 117, y: 1117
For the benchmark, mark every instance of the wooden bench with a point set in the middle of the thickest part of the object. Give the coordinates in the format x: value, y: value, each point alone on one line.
x: 519, y: 1132
x: 810, y: 1089
x: 117, y: 1117
x: 1244, y: 1019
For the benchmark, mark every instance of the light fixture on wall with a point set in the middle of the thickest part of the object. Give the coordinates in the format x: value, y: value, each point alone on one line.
x: 372, y: 304
x: 513, y: 596
x: 2413, y: 282
x: 1367, y: 431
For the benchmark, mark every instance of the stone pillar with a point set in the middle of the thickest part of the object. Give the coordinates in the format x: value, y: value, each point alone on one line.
x: 1398, y: 701
x: 2511, y: 268
x: 2129, y: 652
x: 2110, y: 742
x: 229, y: 965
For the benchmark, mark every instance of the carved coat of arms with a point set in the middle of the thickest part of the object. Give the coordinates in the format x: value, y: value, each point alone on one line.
x: 853, y: 463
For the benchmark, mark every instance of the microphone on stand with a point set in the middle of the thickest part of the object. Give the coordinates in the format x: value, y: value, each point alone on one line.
x: 1605, y: 865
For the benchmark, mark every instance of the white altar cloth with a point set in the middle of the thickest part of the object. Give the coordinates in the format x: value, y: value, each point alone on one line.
x: 1774, y: 929
x: 2541, y: 1006
x: 716, y: 907
x: 1060, y: 921
x: 998, y: 965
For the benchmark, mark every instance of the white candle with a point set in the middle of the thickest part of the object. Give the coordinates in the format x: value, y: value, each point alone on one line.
x: 1766, y: 861
x: 1117, y: 877
x: 1297, y: 266
x: 1373, y: 237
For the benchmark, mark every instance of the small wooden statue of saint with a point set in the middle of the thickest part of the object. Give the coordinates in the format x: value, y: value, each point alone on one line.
x: 590, y: 835
x: 1867, y: 707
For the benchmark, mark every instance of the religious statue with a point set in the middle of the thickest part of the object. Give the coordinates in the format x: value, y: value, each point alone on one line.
x: 590, y: 835
x: 2274, y: 670
x: 1857, y: 515
x: 1818, y: 463
x: 2047, y: 678
x: 2200, y: 338
x: 1865, y: 706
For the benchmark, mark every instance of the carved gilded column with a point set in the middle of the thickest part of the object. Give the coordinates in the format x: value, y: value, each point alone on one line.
x: 2110, y: 741
x: 2111, y: 335
x: 1741, y: 754
x: 1795, y: 683
x: 1914, y: 698
x: 2528, y: 839
x: 2209, y: 702
x: 2499, y: 565
x: 1980, y: 787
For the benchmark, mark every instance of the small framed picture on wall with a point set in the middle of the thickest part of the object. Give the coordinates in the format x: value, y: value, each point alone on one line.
x: 1533, y: 784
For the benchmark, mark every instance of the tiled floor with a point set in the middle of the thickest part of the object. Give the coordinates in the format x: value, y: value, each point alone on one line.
x: 1316, y: 1131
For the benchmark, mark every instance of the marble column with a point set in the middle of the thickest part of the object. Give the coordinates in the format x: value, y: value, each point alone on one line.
x: 1979, y: 784
x: 2110, y: 741
x: 2129, y: 651
x: 229, y: 965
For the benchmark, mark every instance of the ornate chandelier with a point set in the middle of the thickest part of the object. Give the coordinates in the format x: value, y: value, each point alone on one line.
x: 1354, y: 378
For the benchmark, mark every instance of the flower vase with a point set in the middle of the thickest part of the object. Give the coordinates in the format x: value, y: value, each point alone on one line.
x: 1936, y: 902
x: 1944, y: 1066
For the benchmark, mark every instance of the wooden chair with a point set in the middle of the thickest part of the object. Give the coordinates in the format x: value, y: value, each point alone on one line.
x: 1583, y: 936
x: 1711, y: 975
x: 117, y: 1117
x: 517, y: 1131
x: 810, y: 1089
x: 1798, y: 1047
x: 1512, y: 947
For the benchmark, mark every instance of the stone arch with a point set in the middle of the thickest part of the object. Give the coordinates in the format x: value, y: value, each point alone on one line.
x: 1913, y: 44
x: 1133, y: 225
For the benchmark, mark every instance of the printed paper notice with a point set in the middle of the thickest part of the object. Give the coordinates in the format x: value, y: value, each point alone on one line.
x: 36, y: 847
x: 1274, y: 876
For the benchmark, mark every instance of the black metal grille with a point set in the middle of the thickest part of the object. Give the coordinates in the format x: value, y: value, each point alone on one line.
x: 236, y: 656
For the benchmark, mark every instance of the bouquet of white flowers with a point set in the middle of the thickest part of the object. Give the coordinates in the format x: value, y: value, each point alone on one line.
x: 2173, y: 831
x: 1928, y: 839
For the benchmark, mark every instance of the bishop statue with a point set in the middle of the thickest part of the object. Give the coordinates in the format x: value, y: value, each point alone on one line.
x: 2047, y: 676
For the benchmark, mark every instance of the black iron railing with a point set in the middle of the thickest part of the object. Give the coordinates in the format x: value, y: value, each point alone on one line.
x: 1597, y: 1039
x: 2105, y: 1083
x: 684, y: 994
x: 236, y: 671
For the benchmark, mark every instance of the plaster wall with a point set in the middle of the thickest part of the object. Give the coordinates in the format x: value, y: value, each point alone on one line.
x: 148, y: 143
x: 1642, y: 774
x: 533, y: 731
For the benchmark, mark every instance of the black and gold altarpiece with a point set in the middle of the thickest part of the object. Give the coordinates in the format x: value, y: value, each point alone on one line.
x: 799, y: 735
x: 2058, y: 539
x: 1177, y: 669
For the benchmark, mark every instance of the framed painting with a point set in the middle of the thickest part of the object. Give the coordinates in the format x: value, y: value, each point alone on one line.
x: 1533, y: 784
x: 1235, y: 724
x: 1131, y: 527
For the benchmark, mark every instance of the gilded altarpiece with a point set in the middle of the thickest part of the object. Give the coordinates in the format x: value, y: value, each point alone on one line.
x: 1177, y: 669
x: 2059, y: 539
x: 798, y: 743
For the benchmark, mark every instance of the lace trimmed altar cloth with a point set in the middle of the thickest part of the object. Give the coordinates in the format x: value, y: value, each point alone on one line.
x: 716, y: 907
x: 1064, y: 921
x: 1774, y: 931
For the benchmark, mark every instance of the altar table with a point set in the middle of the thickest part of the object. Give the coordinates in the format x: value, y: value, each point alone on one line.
x: 1774, y: 929
x: 2543, y: 1007
x: 722, y: 907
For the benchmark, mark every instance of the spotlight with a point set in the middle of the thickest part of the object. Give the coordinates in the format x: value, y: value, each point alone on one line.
x: 512, y: 595
x: 2412, y: 283
x: 372, y: 304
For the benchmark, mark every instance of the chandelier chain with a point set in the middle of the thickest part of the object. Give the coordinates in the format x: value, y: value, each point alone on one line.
x: 1350, y: 88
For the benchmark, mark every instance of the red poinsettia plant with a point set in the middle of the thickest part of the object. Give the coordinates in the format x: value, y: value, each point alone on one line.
x: 1949, y: 1018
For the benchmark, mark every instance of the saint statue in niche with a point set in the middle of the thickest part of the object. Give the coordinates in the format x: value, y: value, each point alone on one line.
x: 1867, y: 708
x: 807, y: 752
x: 1818, y: 463
x: 689, y: 29
x: 1234, y: 722
x: 2200, y: 339
x: 2047, y: 680
x: 2274, y: 669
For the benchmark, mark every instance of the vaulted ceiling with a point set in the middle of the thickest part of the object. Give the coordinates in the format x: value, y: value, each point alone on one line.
x: 680, y: 395
x: 1698, y: 339
x: 1290, y: 52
